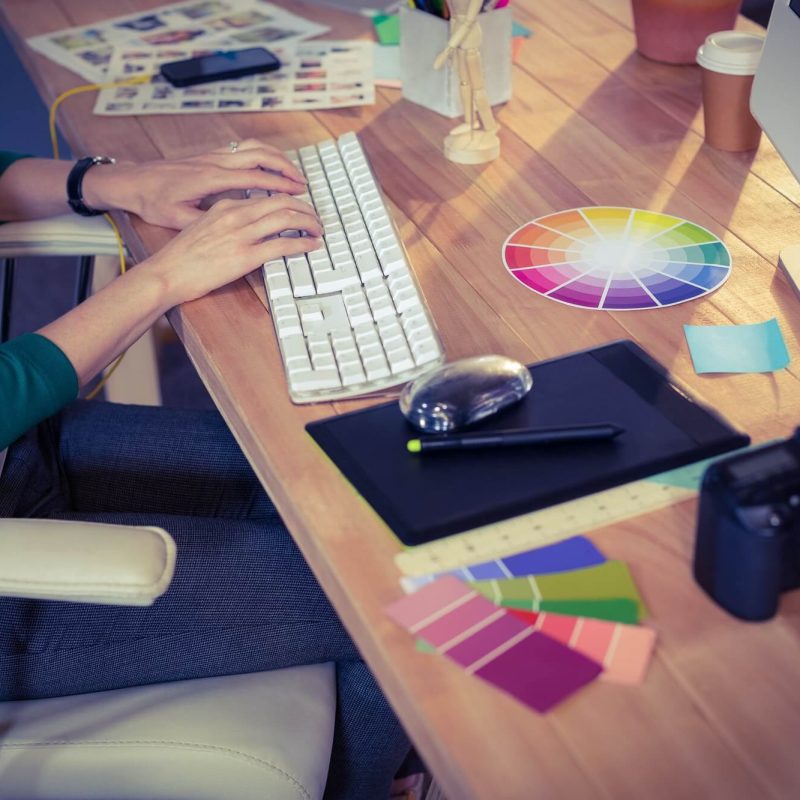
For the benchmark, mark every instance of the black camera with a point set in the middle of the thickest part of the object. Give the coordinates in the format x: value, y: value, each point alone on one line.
x: 747, y: 549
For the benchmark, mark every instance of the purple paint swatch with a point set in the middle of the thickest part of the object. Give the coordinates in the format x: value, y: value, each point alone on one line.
x: 576, y: 552
x: 493, y: 636
x: 540, y: 672
x: 493, y: 644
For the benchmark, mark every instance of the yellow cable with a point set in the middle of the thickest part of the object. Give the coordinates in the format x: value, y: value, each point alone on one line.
x: 120, y: 244
x: 89, y: 87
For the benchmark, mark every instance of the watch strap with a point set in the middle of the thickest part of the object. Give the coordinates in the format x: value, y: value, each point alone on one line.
x: 75, y: 184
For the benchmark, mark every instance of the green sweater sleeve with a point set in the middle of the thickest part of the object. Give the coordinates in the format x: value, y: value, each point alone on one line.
x: 7, y: 158
x: 36, y: 381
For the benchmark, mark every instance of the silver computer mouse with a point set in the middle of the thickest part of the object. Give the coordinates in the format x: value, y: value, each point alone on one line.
x: 462, y: 392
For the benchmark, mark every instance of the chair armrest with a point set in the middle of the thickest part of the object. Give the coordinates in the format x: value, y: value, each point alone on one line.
x: 66, y: 235
x: 84, y: 562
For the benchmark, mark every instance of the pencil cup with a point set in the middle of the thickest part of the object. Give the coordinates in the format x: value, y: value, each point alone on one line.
x: 423, y: 36
x: 672, y: 30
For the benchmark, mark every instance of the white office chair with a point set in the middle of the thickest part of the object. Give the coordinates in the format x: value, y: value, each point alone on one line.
x: 263, y: 735
x: 91, y: 238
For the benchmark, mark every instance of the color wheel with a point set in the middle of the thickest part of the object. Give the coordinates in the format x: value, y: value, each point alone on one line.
x: 620, y: 259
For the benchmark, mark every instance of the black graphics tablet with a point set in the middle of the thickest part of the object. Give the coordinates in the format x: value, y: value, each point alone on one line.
x: 427, y: 496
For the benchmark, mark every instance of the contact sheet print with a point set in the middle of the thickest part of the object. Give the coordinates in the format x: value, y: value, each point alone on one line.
x: 313, y: 74
x: 230, y: 24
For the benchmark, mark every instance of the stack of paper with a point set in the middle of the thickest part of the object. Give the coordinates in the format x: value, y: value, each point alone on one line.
x: 228, y: 24
x: 313, y: 75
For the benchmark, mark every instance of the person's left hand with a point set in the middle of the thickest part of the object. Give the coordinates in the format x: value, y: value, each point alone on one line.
x: 169, y: 193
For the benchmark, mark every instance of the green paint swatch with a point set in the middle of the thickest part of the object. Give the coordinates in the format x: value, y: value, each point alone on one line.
x: 611, y: 609
x: 567, y: 592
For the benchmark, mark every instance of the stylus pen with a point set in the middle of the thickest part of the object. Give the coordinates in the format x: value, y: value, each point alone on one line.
x: 513, y: 438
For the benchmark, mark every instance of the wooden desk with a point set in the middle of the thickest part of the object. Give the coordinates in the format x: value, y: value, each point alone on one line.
x: 590, y: 123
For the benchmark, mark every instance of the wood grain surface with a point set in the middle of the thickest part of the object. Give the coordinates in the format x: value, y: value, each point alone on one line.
x: 590, y: 122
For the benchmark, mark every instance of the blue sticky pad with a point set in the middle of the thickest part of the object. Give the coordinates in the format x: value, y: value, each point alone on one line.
x: 737, y: 348
x: 574, y: 553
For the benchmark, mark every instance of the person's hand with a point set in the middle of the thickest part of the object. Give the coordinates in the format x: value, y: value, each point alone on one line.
x: 169, y: 193
x: 231, y: 239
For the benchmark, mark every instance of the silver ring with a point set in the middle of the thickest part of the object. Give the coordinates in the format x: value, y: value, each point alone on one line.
x: 233, y: 146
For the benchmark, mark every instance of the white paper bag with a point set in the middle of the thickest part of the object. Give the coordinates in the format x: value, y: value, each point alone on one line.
x: 423, y: 36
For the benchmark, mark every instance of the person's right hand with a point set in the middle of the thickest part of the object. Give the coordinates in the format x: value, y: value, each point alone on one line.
x: 171, y: 192
x: 229, y: 240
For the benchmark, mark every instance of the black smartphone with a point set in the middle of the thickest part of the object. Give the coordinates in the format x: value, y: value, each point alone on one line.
x: 220, y: 66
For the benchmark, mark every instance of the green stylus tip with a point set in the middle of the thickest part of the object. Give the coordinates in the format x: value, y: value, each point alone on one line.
x: 414, y: 445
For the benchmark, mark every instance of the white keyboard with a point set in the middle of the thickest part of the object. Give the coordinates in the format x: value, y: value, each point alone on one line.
x: 350, y: 317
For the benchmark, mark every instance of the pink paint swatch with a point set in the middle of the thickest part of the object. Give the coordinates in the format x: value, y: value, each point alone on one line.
x: 623, y: 650
x: 493, y: 644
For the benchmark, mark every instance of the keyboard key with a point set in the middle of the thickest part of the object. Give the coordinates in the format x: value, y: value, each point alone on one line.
x: 309, y: 380
x: 344, y: 344
x: 300, y: 273
x: 287, y: 322
x: 376, y: 369
x: 319, y: 259
x: 406, y: 300
x: 426, y: 351
x: 400, y: 359
x: 279, y: 286
x: 310, y: 315
x: 400, y: 279
x: 368, y: 265
x: 391, y: 259
x: 334, y: 280
x: 352, y: 374
x: 295, y: 350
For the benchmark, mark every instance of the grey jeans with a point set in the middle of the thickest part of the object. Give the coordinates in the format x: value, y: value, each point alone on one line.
x: 242, y: 599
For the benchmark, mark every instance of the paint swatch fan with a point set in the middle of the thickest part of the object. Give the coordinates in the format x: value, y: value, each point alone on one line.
x: 616, y: 259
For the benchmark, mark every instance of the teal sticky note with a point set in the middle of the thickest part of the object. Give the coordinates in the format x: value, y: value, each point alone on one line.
x: 387, y: 28
x: 737, y: 348
x: 520, y: 30
x: 689, y: 476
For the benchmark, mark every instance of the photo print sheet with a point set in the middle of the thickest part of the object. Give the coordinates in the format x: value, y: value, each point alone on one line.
x: 230, y: 24
x: 313, y: 75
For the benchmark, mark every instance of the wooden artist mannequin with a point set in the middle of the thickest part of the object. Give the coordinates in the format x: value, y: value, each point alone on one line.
x: 475, y: 141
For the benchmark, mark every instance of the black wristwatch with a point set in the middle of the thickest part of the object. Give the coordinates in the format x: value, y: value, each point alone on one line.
x: 75, y: 184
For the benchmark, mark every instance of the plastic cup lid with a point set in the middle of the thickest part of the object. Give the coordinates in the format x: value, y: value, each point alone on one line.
x: 731, y: 52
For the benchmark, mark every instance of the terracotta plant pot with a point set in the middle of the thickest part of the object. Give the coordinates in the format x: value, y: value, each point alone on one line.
x: 672, y: 30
